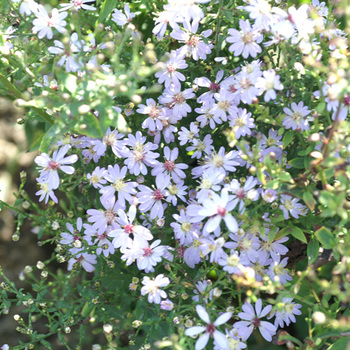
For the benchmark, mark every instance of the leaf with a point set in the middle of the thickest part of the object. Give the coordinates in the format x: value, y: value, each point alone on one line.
x: 340, y: 344
x: 287, y: 138
x: 297, y: 163
x: 69, y: 81
x: 298, y: 234
x: 49, y: 137
x: 282, y: 233
x: 326, y: 238
x: 107, y: 7
x: 320, y: 107
x: 312, y: 251
x: 88, y: 125
x: 309, y: 200
x: 285, y: 176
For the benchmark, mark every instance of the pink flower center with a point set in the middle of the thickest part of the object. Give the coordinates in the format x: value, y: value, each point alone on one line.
x: 53, y: 165
x: 80, y: 259
x: 129, y: 229
x: 170, y: 68
x: 256, y: 322
x: 139, y: 156
x: 158, y: 195
x: 214, y: 87
x: 101, y: 237
x: 154, y: 112
x: 78, y: 2
x: 180, y: 251
x: 245, y: 83
x: 193, y: 41
x: 232, y: 88
x: 210, y: 329
x: 109, y: 215
x: 347, y: 100
x: 240, y: 193
x: 169, y: 165
x: 178, y: 98
x: 221, y: 211
x: 147, y: 251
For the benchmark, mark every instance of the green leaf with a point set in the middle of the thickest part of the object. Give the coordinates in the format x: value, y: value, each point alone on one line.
x: 297, y: 163
x: 320, y: 107
x: 312, y: 251
x: 88, y: 125
x: 69, y: 82
x: 298, y: 234
x: 49, y: 137
x: 340, y: 344
x: 287, y: 138
x: 282, y: 233
x: 285, y: 176
x: 326, y: 238
x: 309, y: 200
x: 107, y: 7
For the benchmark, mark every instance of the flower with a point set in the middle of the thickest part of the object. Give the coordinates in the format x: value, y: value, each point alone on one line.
x: 252, y: 320
x: 49, y: 173
x: 210, y: 330
x: 285, y: 312
x: 297, y: 117
x: 151, y: 288
x: 244, y: 42
x: 291, y: 206
x: 120, y: 18
x: 43, y: 24
x: 77, y: 5
x: 194, y: 45
x: 268, y: 84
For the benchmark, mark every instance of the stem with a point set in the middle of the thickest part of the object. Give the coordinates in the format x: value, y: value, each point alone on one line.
x: 218, y: 22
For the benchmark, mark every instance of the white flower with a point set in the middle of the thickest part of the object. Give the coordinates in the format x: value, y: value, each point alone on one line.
x: 120, y: 18
x: 210, y: 330
x: 43, y: 24
x: 151, y: 287
x: 298, y: 117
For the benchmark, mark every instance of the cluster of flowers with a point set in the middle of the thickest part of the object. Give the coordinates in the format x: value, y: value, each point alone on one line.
x: 137, y: 190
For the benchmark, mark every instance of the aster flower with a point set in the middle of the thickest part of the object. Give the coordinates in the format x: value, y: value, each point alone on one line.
x: 199, y: 147
x: 176, y: 190
x: 185, y: 135
x: 123, y: 189
x: 242, y: 123
x: 77, y: 5
x: 27, y: 7
x: 246, y: 41
x: 120, y: 18
x: 126, y: 230
x: 194, y: 45
x: 175, y: 99
x: 73, y: 236
x: 285, y: 312
x: 268, y: 83
x: 151, y: 288
x: 214, y: 247
x: 217, y: 208
x: 210, y: 182
x: 44, y: 23
x: 213, y: 87
x: 247, y: 245
x: 260, y: 11
x: 210, y: 330
x: 154, y: 113
x: 140, y: 155
x: 277, y: 271
x: 45, y: 192
x: 231, y: 263
x: 104, y: 245
x: 149, y: 255
x: 184, y: 230
x: 169, y: 167
x: 102, y: 218
x: 252, y: 320
x: 170, y: 75
x: 297, y: 117
x: 110, y: 139
x: 151, y: 199
x: 96, y: 178
x: 86, y: 260
x: 49, y: 173
x: 290, y: 206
